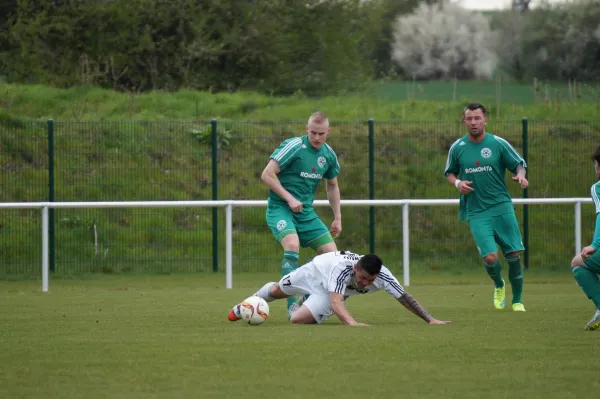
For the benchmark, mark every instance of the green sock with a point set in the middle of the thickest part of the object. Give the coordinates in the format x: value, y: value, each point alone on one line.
x: 288, y: 265
x: 515, y: 276
x: 589, y: 283
x: 495, y: 273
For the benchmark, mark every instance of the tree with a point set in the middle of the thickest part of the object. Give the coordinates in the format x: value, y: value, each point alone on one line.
x: 442, y: 42
x: 562, y: 42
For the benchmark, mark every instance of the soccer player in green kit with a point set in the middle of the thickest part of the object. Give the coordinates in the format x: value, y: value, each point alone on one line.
x: 586, y: 266
x: 293, y: 174
x: 480, y: 159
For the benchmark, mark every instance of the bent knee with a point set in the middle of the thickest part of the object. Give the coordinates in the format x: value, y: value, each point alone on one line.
x: 577, y: 261
x: 302, y: 316
x: 299, y: 320
x: 296, y: 320
x: 490, y: 259
x: 291, y: 242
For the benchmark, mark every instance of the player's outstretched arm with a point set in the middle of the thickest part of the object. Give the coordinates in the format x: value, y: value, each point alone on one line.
x: 338, y: 307
x: 414, y: 306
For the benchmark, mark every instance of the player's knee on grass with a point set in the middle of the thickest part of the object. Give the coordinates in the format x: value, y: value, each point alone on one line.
x: 302, y: 316
x: 490, y: 259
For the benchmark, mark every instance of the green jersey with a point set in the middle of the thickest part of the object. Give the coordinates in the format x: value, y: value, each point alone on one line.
x: 484, y: 164
x: 596, y: 199
x: 302, y: 168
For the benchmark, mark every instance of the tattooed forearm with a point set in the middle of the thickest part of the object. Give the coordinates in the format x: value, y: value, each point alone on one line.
x: 414, y: 306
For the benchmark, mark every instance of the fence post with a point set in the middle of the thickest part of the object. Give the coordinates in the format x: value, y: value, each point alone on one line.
x: 215, y: 214
x: 51, y: 241
x: 577, y: 228
x: 371, y: 185
x: 45, y: 223
x: 228, y: 247
x: 525, y: 124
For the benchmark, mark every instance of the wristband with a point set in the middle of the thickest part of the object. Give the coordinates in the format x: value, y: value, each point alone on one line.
x: 456, y: 183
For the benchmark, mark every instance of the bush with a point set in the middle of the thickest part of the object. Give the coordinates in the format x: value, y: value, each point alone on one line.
x: 563, y: 42
x: 444, y: 41
x: 135, y: 45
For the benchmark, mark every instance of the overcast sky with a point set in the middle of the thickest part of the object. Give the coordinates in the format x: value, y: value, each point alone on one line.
x: 493, y: 4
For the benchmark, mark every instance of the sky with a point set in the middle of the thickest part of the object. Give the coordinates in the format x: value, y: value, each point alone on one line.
x: 485, y: 4
x: 492, y: 4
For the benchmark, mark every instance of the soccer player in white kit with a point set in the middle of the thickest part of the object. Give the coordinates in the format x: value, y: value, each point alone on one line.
x: 330, y: 279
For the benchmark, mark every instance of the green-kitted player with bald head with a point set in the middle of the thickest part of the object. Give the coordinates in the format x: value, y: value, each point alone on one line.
x: 293, y: 175
x: 480, y: 159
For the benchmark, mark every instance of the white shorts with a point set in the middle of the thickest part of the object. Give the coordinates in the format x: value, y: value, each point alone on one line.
x: 301, y: 281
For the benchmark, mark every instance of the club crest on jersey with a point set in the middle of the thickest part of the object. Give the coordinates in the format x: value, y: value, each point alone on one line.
x: 321, y: 161
x: 282, y: 224
x: 486, y: 153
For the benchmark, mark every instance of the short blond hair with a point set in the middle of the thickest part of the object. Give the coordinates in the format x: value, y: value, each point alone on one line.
x: 318, y: 117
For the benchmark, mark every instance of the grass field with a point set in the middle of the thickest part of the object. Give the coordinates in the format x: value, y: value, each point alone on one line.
x: 489, y: 92
x: 383, y: 101
x: 168, y: 337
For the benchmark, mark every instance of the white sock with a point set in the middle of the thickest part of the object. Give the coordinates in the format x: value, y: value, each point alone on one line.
x: 264, y: 292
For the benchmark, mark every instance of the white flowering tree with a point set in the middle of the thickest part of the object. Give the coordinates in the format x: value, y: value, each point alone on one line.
x: 444, y: 41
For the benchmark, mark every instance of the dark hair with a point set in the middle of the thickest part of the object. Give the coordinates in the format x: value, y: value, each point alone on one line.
x: 371, y: 264
x: 474, y: 107
x: 596, y: 155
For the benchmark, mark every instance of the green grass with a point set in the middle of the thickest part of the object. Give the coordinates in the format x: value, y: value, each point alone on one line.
x: 168, y: 337
x: 490, y: 92
x: 423, y: 101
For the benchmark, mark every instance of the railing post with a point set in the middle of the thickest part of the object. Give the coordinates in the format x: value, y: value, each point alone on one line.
x: 45, y: 223
x: 371, y: 185
x: 525, y: 124
x: 405, y: 245
x: 577, y: 228
x: 215, y: 196
x: 51, y: 198
x: 228, y: 247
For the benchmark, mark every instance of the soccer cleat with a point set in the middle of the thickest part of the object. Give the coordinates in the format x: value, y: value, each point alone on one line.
x: 518, y: 307
x: 594, y: 323
x: 234, y: 313
x: 500, y: 297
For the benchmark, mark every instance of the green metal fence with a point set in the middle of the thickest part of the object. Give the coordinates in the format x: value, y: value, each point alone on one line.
x: 203, y: 160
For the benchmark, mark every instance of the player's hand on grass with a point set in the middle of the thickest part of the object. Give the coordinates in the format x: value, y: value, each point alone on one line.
x: 587, y: 252
x: 360, y: 325
x: 295, y: 205
x: 465, y: 187
x: 436, y: 321
x: 521, y: 180
x: 336, y: 228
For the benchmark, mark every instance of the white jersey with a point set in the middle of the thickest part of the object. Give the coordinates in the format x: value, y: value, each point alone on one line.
x: 334, y: 272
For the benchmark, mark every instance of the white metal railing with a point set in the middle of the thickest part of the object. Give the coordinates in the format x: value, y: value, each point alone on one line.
x: 228, y: 205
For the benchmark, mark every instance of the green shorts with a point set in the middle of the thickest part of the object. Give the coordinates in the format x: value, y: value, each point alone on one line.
x: 593, y: 262
x: 306, y: 224
x: 503, y: 230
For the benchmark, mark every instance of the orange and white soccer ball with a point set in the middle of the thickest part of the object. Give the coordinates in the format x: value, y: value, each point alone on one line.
x: 254, y: 310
